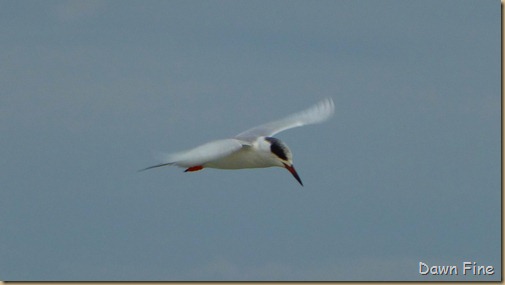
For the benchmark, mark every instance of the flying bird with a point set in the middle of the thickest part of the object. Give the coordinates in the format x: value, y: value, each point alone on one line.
x: 254, y: 148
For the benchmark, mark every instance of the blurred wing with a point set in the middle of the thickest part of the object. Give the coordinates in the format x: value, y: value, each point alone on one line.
x: 202, y: 154
x: 315, y: 114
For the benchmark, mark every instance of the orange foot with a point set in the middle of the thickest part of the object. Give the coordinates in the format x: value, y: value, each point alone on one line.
x: 194, y: 168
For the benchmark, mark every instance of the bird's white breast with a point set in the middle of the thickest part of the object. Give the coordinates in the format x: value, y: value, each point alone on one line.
x: 246, y: 157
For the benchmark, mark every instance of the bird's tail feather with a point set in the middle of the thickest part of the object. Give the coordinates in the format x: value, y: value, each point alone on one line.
x: 154, y: 166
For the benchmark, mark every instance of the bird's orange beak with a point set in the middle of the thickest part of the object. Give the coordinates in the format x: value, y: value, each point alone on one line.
x: 292, y: 169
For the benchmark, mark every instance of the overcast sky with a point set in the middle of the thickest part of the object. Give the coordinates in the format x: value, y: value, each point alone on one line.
x: 407, y: 171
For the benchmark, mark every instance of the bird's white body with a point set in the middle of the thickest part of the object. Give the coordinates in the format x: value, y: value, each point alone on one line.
x: 256, y: 155
x: 254, y: 148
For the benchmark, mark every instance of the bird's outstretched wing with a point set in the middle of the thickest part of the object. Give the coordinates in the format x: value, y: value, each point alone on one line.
x: 315, y: 114
x: 202, y: 154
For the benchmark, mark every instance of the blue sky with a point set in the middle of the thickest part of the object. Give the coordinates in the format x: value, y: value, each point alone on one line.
x: 407, y: 170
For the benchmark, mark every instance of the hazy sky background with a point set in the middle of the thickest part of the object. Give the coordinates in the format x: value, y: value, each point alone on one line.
x: 407, y: 170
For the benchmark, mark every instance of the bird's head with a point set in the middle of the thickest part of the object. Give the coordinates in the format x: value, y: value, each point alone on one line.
x: 282, y: 156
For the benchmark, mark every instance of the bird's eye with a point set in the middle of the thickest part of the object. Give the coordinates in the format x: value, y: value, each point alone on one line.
x: 277, y: 148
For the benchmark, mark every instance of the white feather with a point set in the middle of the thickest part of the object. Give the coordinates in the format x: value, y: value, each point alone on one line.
x: 200, y: 155
x: 318, y: 113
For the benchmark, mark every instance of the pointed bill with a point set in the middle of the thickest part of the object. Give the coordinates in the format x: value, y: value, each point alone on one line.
x: 292, y: 169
